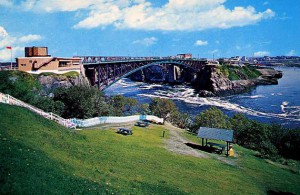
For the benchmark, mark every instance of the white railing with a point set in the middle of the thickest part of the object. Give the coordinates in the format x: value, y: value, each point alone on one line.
x: 73, y: 123
x: 114, y: 119
x: 7, y: 99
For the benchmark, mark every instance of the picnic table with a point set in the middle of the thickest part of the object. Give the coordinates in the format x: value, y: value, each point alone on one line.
x: 216, y: 147
x: 142, y: 124
x: 125, y: 131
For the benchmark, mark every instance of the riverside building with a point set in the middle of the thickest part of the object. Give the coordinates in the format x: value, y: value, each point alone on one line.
x: 37, y: 61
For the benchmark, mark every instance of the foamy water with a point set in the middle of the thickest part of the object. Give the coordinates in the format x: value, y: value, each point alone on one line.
x: 188, y: 96
x: 271, y: 103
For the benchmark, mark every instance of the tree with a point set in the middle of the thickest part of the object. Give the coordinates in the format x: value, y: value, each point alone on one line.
x: 162, y: 108
x: 143, y: 109
x: 212, y: 117
x: 253, y: 135
x: 82, y: 102
x: 121, y: 105
x: 181, y: 120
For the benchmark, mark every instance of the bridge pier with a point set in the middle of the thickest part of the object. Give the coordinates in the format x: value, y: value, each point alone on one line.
x: 98, y: 82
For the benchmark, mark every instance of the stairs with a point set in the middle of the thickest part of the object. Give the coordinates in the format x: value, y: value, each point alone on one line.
x: 7, y: 99
x: 38, y: 66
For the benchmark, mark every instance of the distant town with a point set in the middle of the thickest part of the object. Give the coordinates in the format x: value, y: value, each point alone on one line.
x: 38, y: 58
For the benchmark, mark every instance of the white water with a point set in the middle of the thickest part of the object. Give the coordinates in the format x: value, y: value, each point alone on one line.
x: 271, y: 103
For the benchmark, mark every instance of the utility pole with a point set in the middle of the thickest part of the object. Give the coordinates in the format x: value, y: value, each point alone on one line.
x: 11, y: 58
x: 10, y: 48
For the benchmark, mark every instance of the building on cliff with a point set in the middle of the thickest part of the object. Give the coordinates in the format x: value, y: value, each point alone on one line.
x: 37, y: 60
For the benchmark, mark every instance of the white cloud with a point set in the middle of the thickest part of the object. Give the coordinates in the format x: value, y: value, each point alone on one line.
x: 5, y: 54
x: 148, y: 41
x: 30, y: 38
x: 261, y: 53
x: 291, y: 53
x: 201, y: 43
x: 16, y: 42
x: 266, y: 3
x: 214, y: 51
x: 3, y: 32
x: 57, y: 5
x: 191, y: 15
x: 6, y: 3
x: 105, y: 15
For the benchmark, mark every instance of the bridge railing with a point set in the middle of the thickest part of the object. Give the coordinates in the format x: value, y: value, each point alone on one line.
x: 7, y: 99
x: 101, y: 59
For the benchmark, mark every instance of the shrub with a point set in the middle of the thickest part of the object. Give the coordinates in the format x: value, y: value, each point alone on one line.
x: 81, y: 102
x: 212, y: 117
x: 162, y: 108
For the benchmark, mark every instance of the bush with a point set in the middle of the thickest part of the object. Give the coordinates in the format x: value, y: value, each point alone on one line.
x: 82, y: 102
x: 181, y: 120
x: 212, y: 117
x: 162, y: 108
x: 290, y: 144
x: 120, y: 105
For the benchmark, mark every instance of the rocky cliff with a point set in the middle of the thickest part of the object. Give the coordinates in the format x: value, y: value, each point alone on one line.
x: 51, y: 82
x: 212, y: 82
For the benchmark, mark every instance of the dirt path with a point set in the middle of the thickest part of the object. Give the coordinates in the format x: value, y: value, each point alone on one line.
x: 176, y: 143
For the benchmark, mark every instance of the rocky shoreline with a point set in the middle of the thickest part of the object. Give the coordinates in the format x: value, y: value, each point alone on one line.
x: 209, y: 83
x: 214, y: 83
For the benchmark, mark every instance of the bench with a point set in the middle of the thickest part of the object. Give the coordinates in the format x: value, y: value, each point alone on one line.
x: 142, y: 124
x: 124, y: 131
x: 217, y: 147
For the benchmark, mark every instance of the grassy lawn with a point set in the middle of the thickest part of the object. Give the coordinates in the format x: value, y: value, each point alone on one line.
x: 233, y: 72
x: 41, y: 157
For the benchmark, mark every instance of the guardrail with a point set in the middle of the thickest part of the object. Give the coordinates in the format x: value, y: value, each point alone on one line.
x: 7, y: 99
x: 114, y: 119
x: 73, y: 123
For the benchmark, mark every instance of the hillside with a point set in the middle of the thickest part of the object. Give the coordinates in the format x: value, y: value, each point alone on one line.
x: 41, y: 157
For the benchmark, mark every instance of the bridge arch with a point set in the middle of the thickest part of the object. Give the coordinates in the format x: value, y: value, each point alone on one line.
x: 159, y: 63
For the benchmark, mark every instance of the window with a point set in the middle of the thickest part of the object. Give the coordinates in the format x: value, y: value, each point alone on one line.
x: 23, y: 64
x: 63, y: 64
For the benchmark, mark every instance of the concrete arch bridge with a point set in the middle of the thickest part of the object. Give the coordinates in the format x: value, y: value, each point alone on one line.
x: 105, y: 71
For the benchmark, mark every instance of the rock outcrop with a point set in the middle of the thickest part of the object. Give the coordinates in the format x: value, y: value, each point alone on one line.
x: 51, y: 82
x: 212, y: 82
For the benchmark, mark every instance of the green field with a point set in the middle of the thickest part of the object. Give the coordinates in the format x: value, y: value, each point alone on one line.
x: 41, y: 157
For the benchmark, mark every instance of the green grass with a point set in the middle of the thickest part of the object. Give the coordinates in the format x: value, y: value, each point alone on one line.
x: 68, y: 74
x: 41, y: 157
x: 234, y: 72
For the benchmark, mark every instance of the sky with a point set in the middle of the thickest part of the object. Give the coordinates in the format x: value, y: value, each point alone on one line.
x: 205, y: 28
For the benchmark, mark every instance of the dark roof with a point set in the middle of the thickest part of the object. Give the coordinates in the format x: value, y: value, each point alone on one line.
x: 217, y: 134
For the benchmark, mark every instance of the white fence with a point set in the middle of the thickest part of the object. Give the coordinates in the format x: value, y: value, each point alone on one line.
x: 73, y: 123
x: 7, y: 99
x: 114, y: 119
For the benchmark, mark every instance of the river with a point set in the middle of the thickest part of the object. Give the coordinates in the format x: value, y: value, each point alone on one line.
x: 265, y: 103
